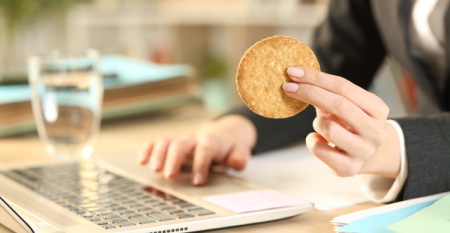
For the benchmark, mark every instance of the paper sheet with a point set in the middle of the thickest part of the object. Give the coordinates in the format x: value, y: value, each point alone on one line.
x: 348, y: 218
x: 375, y: 223
x: 254, y: 200
x: 434, y: 218
x: 297, y: 172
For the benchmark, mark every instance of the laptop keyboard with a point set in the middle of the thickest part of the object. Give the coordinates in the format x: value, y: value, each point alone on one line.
x: 105, y: 198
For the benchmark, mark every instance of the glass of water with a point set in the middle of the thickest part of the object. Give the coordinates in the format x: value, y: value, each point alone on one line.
x: 67, y: 93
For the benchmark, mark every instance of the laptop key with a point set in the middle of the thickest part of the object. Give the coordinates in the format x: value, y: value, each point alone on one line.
x: 177, y: 201
x: 167, y: 208
x: 161, y: 217
x: 143, y: 220
x: 128, y: 202
x: 109, y: 226
x: 144, y: 209
x: 67, y: 205
x: 88, y: 215
x: 126, y: 212
x: 104, y: 201
x: 111, y: 205
x: 202, y: 212
x: 136, y: 206
x: 81, y: 212
x: 174, y: 211
x: 151, y: 200
x: 119, y: 208
x: 118, y: 220
x: 89, y: 205
x: 126, y: 224
x: 105, y: 212
x: 184, y: 204
x: 194, y: 207
x: 96, y: 208
x: 183, y: 215
x: 144, y: 197
x: 129, y: 215
x: 95, y: 218
x: 151, y: 211
x: 160, y: 204
x: 101, y: 222
x: 110, y: 216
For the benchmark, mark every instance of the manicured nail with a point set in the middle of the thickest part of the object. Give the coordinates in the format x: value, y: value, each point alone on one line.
x: 156, y: 165
x: 290, y: 87
x: 198, y: 178
x: 296, y: 72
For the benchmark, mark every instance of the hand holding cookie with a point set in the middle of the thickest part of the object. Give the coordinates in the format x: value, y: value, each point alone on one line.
x: 279, y: 76
x: 350, y: 124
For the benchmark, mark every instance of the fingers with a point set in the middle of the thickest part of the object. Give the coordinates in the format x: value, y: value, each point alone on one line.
x: 205, y: 151
x: 158, y: 154
x: 338, y: 105
x: 342, y: 87
x: 238, y: 157
x: 339, y: 136
x: 144, y: 153
x: 320, y: 112
x: 338, y: 161
x: 176, y: 155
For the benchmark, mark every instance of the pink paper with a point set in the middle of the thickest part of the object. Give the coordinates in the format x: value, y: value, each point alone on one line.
x: 254, y: 200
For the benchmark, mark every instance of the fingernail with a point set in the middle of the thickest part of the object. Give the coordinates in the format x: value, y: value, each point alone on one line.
x: 156, y: 165
x: 141, y: 158
x: 198, y: 178
x: 290, y: 87
x: 296, y: 72
x: 169, y: 173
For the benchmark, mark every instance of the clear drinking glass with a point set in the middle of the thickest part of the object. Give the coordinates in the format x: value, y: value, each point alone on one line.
x: 67, y: 93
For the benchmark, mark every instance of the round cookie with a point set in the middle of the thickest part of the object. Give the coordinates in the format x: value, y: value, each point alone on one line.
x: 263, y: 71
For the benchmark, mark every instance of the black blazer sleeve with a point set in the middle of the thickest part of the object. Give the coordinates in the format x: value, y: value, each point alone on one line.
x: 427, y: 143
x: 347, y: 44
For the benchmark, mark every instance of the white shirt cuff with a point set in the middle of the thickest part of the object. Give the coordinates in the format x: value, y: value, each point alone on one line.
x: 382, y: 189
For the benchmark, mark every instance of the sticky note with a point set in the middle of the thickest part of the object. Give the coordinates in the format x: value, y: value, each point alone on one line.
x: 254, y: 200
x: 376, y: 223
x: 434, y: 218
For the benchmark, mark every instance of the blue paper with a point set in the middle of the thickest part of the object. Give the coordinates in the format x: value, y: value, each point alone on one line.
x: 375, y: 223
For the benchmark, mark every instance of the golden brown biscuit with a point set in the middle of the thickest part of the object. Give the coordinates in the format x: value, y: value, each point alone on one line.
x: 263, y: 71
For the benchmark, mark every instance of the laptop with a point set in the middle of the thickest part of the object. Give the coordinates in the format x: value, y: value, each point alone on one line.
x: 114, y: 194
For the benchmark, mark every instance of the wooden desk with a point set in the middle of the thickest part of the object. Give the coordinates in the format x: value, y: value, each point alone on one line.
x: 128, y: 135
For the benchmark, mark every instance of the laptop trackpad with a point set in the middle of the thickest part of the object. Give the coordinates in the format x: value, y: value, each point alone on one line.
x: 32, y: 204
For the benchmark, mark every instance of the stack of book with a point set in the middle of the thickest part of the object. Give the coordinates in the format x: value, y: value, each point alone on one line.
x: 131, y: 87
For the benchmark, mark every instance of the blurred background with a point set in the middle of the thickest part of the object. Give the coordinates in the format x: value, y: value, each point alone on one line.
x: 199, y: 43
x: 157, y: 54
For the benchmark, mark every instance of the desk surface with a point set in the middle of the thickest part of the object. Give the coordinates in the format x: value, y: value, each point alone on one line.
x: 127, y: 135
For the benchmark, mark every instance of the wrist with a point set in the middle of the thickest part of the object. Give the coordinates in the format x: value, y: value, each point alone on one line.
x: 239, y: 127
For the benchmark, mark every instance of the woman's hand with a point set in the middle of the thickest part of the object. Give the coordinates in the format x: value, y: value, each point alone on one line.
x: 227, y: 141
x: 353, y: 136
